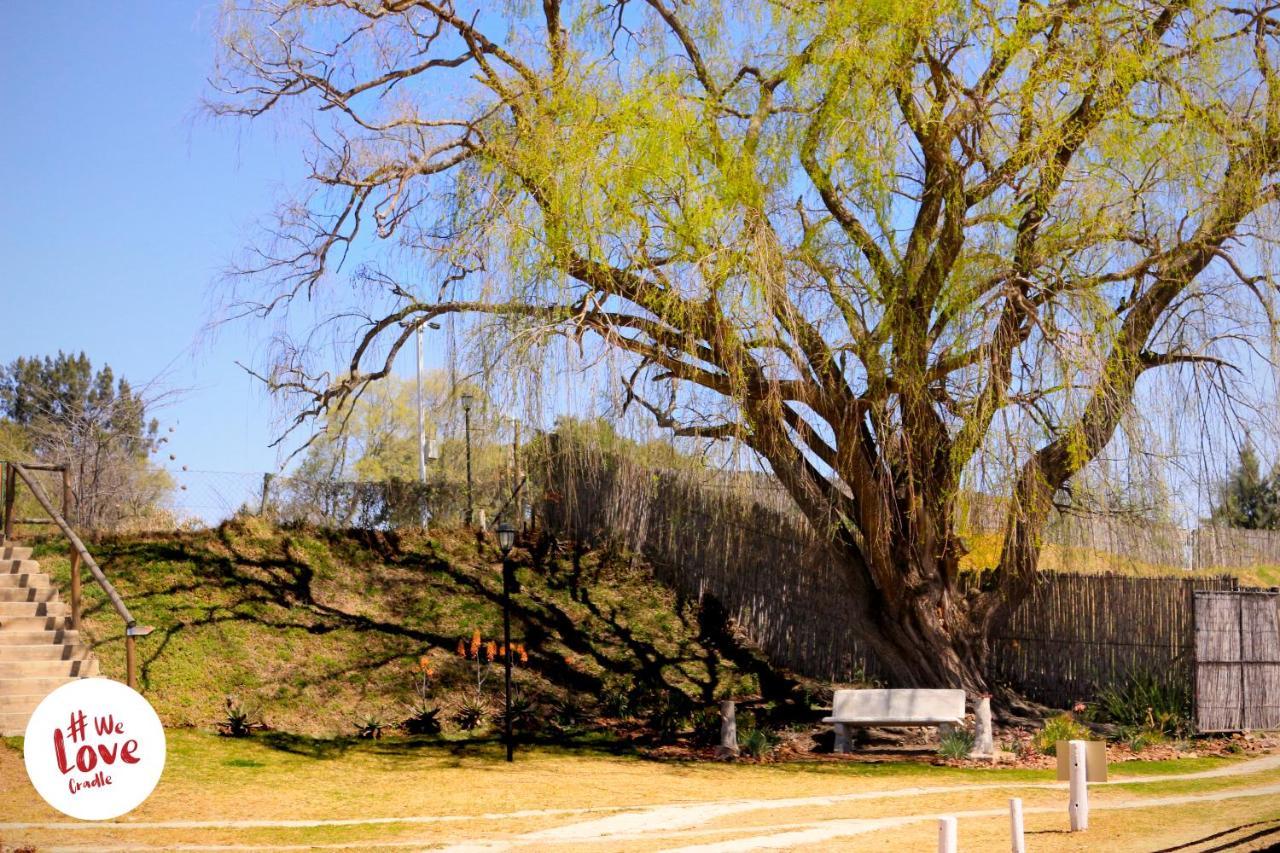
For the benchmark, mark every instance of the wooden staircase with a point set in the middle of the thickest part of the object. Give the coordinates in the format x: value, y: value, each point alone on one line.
x: 39, y: 649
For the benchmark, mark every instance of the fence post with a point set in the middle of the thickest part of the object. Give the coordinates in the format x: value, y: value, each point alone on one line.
x: 1018, y: 838
x: 130, y: 660
x: 66, y: 493
x: 266, y: 494
x: 1078, y: 806
x: 10, y: 485
x: 946, y: 835
x: 75, y: 589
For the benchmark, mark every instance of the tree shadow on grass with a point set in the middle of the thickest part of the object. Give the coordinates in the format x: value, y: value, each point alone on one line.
x: 231, y: 576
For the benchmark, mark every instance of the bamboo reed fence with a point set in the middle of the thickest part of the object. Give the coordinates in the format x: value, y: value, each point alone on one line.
x: 737, y: 542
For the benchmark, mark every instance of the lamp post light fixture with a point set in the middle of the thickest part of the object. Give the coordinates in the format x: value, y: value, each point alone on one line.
x: 507, y: 539
x: 468, y: 401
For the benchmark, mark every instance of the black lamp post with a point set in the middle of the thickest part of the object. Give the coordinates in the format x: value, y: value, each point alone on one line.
x: 506, y: 539
x: 467, y: 401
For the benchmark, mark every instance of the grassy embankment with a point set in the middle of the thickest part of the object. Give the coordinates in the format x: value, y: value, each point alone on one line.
x: 318, y: 629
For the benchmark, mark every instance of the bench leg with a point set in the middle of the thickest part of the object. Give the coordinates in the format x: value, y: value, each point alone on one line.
x: 842, y: 738
x: 944, y: 729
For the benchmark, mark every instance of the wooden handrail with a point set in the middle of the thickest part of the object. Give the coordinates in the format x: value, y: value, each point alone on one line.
x: 80, y: 554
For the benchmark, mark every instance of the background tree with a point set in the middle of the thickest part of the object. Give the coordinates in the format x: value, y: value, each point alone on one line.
x: 59, y: 410
x: 1248, y: 498
x: 897, y: 249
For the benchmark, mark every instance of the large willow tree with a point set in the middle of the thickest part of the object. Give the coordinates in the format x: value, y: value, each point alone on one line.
x: 901, y: 249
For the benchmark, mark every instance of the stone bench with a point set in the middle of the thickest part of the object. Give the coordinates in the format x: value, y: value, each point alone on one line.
x: 910, y: 707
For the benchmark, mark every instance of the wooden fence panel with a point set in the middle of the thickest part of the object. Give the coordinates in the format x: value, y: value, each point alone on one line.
x: 1237, y: 660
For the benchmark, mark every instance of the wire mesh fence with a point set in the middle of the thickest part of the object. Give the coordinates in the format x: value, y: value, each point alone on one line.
x: 206, y: 498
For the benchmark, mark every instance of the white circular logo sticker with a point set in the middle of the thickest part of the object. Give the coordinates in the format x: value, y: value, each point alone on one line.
x: 94, y: 749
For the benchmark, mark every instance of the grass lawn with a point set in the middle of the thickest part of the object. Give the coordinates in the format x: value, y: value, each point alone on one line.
x: 438, y: 793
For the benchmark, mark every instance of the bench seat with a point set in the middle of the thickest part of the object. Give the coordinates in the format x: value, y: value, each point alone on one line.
x: 893, y: 708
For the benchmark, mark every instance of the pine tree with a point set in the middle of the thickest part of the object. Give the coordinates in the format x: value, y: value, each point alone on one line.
x: 1247, y: 498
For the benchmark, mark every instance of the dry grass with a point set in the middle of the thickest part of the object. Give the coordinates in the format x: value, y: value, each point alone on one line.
x: 277, y: 778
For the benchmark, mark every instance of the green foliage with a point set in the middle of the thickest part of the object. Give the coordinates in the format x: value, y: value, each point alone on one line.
x: 706, y: 727
x: 1146, y: 701
x: 470, y: 713
x: 1248, y: 498
x: 527, y: 714
x: 1061, y: 727
x: 423, y: 721
x: 237, y: 720
x: 756, y: 742
x: 370, y: 728
x: 570, y: 712
x: 956, y: 744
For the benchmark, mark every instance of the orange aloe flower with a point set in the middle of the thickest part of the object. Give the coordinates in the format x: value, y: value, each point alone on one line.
x: 475, y: 644
x: 492, y: 650
x: 462, y: 648
x: 424, y: 664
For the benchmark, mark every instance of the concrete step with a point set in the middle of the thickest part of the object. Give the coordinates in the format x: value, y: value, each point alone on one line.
x: 12, y: 580
x: 19, y: 567
x: 48, y: 668
x: 11, y: 609
x: 28, y: 593
x: 14, y: 552
x: 33, y: 623
x: 44, y: 651
x: 32, y: 685
x: 21, y: 703
x: 39, y: 637
x: 14, y: 724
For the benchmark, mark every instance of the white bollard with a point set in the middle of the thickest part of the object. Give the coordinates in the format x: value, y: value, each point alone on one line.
x: 728, y: 730
x: 946, y: 835
x: 983, y: 740
x: 1015, y: 825
x: 1078, y: 807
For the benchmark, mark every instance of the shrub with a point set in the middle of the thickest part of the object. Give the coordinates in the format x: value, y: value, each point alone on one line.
x: 423, y: 721
x: 1145, y: 700
x: 470, y: 713
x: 756, y: 743
x: 370, y: 728
x: 1061, y: 727
x: 616, y: 698
x: 237, y: 720
x: 526, y: 714
x: 956, y: 744
x: 667, y: 717
x: 706, y: 727
x: 569, y: 713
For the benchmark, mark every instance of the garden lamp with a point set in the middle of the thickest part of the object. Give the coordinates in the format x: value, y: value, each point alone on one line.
x: 506, y: 537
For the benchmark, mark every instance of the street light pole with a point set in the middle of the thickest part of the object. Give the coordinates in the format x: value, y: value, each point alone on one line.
x: 422, y: 418
x: 466, y: 415
x: 507, y: 538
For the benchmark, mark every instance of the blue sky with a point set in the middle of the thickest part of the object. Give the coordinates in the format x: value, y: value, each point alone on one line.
x: 122, y: 205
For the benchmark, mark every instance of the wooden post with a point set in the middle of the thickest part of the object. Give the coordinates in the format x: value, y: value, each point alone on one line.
x: 1078, y: 806
x: 75, y: 589
x: 266, y: 494
x: 946, y: 835
x: 1019, y: 843
x: 728, y: 730
x: 66, y: 494
x: 130, y: 655
x: 10, y: 484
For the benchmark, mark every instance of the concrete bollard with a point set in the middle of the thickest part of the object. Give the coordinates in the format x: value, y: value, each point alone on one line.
x: 1078, y: 807
x: 946, y: 835
x: 983, y: 738
x: 728, y: 730
x: 1019, y: 842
